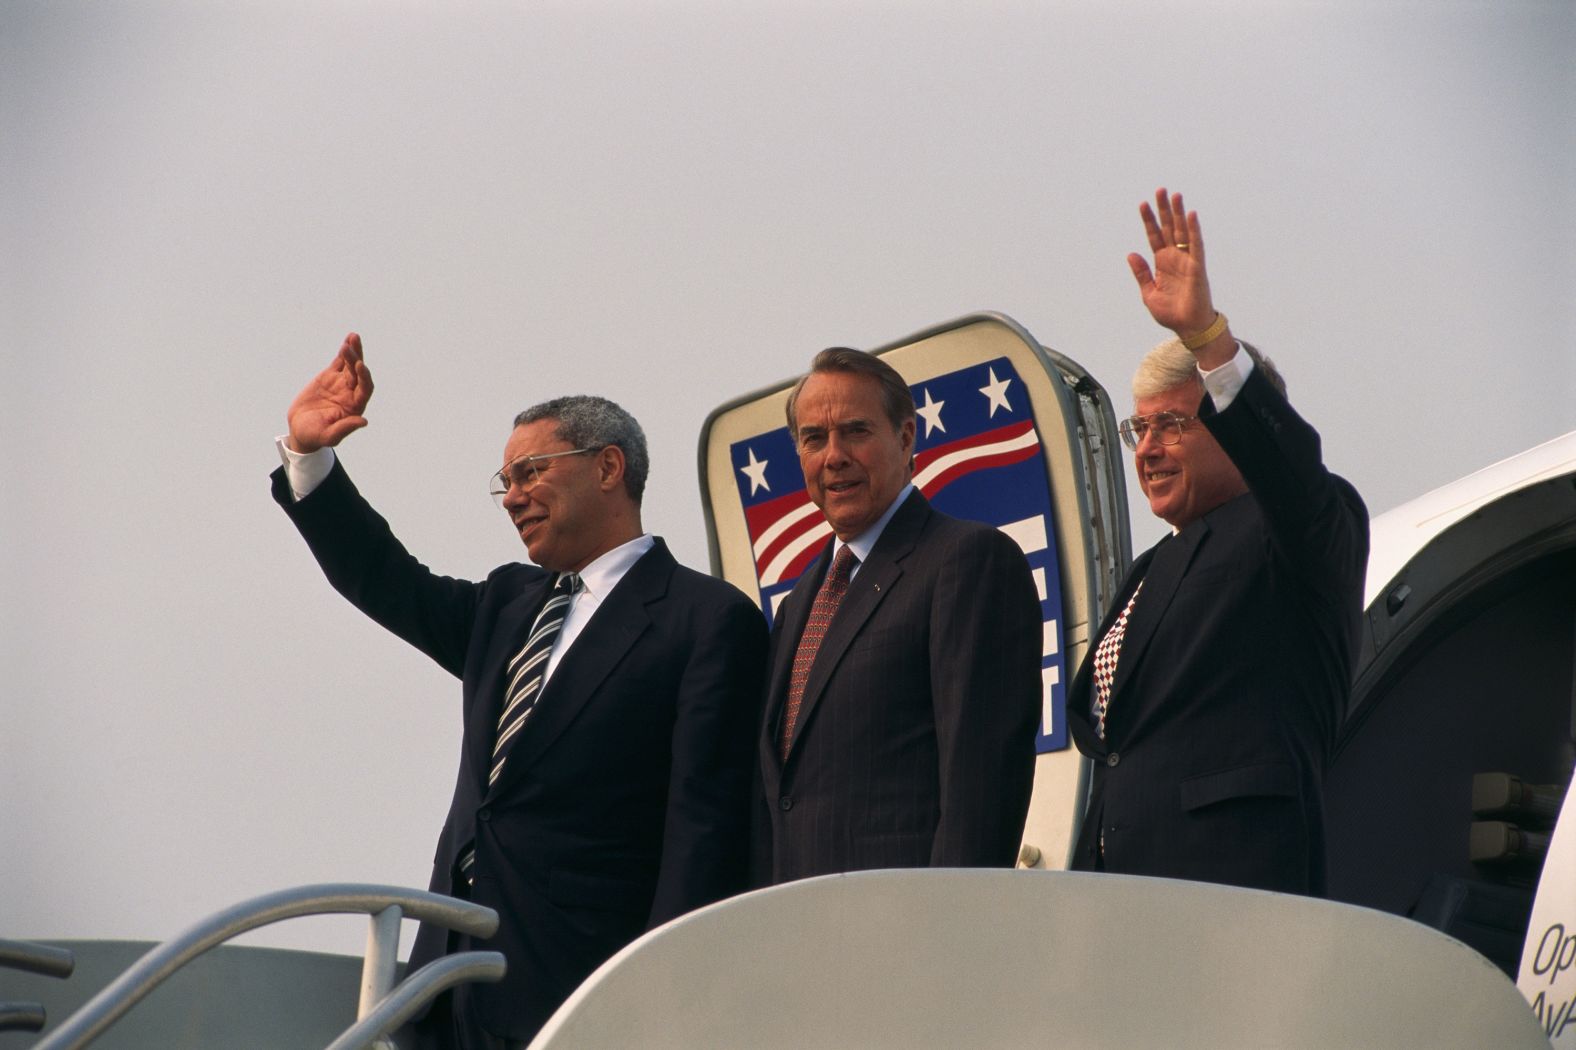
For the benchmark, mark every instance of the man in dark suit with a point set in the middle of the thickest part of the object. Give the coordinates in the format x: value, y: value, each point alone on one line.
x: 610, y: 698
x: 905, y: 663
x: 1210, y: 697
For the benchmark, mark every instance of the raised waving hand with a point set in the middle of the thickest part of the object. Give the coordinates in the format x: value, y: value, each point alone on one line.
x: 331, y: 405
x: 1176, y: 289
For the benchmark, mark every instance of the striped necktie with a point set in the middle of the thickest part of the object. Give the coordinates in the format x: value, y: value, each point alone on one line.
x: 1105, y: 658
x: 529, y: 667
x: 827, y: 599
x: 526, y: 672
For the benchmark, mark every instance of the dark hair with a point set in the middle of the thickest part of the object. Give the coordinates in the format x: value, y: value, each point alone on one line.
x: 587, y: 421
x: 896, y: 399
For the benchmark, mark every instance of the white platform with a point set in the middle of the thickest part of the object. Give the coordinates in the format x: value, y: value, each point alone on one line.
x: 953, y: 958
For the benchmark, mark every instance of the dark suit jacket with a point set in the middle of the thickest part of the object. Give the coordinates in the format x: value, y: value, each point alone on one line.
x: 914, y: 744
x: 1234, y: 671
x: 627, y: 802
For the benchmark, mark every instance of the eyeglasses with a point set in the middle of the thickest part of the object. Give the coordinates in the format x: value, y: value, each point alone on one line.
x: 1166, y: 427
x: 525, y: 472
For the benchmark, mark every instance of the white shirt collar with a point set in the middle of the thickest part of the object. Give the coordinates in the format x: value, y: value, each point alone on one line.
x: 602, y: 575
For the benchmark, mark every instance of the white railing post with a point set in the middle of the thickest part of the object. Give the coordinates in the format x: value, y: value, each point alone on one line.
x: 377, y: 970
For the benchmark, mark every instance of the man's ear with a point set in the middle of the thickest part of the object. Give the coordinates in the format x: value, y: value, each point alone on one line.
x: 610, y: 468
x: 906, y: 435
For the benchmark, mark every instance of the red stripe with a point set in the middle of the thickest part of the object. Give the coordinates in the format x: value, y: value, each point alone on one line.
x: 989, y: 437
x: 798, y: 565
x: 787, y: 538
x: 969, y: 466
x: 761, y: 516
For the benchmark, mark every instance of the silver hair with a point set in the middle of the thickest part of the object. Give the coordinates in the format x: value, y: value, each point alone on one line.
x: 587, y: 421
x: 1171, y: 365
x: 1164, y: 368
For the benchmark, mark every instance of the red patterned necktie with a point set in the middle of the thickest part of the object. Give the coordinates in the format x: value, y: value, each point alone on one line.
x: 826, y: 602
x: 1105, y: 663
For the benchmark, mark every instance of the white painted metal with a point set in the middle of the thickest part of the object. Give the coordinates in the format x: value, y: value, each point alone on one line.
x: 950, y: 958
x: 382, y: 958
x: 1397, y: 535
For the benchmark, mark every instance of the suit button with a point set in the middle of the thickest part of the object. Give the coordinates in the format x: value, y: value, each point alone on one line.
x: 1112, y: 759
x: 484, y: 814
x: 785, y: 803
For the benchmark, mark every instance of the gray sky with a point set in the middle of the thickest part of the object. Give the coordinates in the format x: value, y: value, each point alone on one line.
x: 670, y: 204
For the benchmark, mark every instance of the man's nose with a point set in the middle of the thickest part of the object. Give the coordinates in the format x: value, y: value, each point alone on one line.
x: 836, y: 450
x: 516, y: 496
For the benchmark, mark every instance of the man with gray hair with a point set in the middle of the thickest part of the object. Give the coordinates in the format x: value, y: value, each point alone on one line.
x: 609, y: 698
x: 1210, y: 696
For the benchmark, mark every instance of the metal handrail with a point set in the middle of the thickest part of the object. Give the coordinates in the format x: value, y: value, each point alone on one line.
x: 105, y: 1008
x: 21, y: 1016
x: 415, y: 991
x: 45, y: 959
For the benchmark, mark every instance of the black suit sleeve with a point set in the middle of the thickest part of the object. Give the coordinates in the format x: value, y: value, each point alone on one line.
x: 985, y: 643
x: 1317, y: 521
x: 364, y: 562
x: 705, y: 854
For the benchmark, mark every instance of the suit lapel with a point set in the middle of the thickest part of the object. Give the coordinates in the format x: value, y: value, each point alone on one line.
x: 795, y: 613
x: 875, y: 581
x: 1079, y: 695
x: 1166, y: 569
x: 612, y: 631
x: 508, y: 635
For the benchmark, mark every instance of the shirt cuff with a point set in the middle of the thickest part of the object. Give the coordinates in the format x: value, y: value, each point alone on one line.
x: 306, y: 470
x: 1224, y: 381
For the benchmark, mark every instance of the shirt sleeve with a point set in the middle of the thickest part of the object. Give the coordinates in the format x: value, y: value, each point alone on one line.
x: 306, y: 470
x: 1224, y: 381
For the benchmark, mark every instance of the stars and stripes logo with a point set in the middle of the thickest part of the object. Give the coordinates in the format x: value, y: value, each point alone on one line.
x: 977, y: 455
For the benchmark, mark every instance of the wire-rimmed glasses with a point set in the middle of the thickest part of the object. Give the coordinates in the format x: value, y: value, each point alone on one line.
x: 1166, y: 427
x: 525, y: 472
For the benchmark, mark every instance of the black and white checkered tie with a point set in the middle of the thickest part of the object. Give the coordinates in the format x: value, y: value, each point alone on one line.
x: 1105, y: 658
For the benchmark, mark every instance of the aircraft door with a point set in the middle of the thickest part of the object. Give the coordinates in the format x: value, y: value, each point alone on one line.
x: 1009, y: 433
